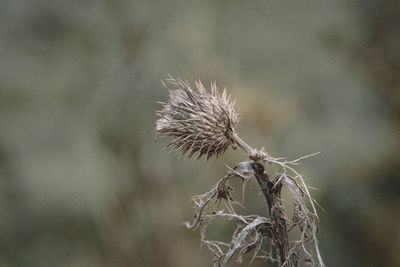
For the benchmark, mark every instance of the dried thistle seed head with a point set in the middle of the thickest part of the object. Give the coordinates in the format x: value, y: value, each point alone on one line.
x: 199, y: 121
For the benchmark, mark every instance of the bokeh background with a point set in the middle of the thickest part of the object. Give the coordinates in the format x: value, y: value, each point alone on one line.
x: 83, y: 184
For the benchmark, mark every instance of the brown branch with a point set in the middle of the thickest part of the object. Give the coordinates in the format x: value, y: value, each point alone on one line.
x: 272, y: 194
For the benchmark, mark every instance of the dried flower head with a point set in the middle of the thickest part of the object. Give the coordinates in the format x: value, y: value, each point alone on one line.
x: 199, y: 121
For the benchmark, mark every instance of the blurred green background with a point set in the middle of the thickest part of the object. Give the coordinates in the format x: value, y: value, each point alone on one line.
x: 82, y: 182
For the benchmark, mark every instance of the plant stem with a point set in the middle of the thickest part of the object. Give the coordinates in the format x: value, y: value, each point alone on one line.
x: 272, y: 194
x: 243, y: 145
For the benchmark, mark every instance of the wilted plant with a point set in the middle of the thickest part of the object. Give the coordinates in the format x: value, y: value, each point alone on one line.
x: 203, y: 123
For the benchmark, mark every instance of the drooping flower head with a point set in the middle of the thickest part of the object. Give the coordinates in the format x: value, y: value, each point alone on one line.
x: 200, y: 122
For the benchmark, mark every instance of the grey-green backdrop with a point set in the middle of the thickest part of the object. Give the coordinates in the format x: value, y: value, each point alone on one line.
x: 83, y: 184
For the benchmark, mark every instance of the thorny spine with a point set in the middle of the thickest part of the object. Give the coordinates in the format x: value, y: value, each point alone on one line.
x: 203, y: 123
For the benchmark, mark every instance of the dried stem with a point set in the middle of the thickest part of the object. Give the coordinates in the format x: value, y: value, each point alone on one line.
x: 243, y: 145
x: 272, y: 194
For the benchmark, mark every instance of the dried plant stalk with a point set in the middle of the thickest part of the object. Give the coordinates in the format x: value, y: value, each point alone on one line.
x: 203, y: 123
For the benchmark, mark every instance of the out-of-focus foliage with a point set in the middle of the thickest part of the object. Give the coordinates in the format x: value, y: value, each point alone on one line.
x: 83, y: 184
